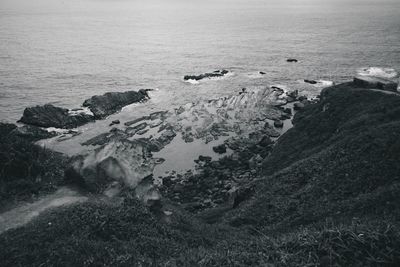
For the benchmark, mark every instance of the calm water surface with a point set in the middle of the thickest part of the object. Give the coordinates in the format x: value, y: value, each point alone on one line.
x: 65, y: 51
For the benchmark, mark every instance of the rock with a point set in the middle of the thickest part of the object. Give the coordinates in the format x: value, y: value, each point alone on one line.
x: 262, y: 73
x: 114, y: 122
x: 32, y: 133
x: 265, y: 141
x: 217, y: 73
x: 205, y: 158
x: 310, y: 81
x: 292, y: 60
x: 302, y: 98
x: 375, y: 83
x: 298, y: 106
x: 133, y: 130
x: 288, y: 111
x: 294, y: 94
x: 104, y: 138
x: 129, y: 123
x: 159, y: 143
x: 51, y: 116
x: 111, y: 102
x: 278, y: 123
x: 220, y: 149
x: 121, y: 160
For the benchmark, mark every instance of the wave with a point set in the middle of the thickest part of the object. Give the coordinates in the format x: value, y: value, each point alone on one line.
x: 388, y: 73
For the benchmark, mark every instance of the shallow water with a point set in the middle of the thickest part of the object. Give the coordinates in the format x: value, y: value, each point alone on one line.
x: 66, y: 51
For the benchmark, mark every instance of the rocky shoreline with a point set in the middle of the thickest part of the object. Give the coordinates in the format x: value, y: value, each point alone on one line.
x: 265, y: 173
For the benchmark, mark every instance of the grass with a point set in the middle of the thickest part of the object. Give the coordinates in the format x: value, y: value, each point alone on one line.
x: 26, y: 170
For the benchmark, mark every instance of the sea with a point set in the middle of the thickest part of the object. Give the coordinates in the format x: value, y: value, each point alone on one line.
x: 64, y: 51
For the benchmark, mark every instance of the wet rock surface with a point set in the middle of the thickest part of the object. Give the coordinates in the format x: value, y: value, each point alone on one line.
x: 217, y: 73
x: 109, y: 103
x: 239, y: 131
x: 52, y: 116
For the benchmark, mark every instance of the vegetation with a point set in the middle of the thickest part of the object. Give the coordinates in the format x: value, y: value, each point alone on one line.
x: 26, y: 170
x: 328, y: 196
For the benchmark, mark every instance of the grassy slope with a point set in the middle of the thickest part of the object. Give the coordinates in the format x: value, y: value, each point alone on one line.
x: 26, y: 170
x: 331, y: 167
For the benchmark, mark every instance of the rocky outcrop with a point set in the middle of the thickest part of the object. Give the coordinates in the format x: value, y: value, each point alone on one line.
x: 119, y: 160
x: 375, y: 83
x: 51, y: 116
x: 217, y: 73
x: 111, y: 102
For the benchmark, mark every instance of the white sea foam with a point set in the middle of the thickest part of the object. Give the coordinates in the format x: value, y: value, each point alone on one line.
x: 84, y: 110
x: 320, y: 83
x: 388, y: 73
x: 255, y: 75
x: 191, y: 81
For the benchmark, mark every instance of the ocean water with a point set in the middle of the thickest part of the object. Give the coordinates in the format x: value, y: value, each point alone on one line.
x: 64, y: 51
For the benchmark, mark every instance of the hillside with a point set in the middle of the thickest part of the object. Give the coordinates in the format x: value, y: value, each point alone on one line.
x: 327, y: 196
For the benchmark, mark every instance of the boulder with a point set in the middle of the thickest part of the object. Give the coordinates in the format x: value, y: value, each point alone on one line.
x: 111, y: 102
x: 278, y: 123
x: 375, y: 83
x: 51, y: 116
x: 115, y: 122
x: 120, y: 160
x: 298, y: 106
x: 220, y: 149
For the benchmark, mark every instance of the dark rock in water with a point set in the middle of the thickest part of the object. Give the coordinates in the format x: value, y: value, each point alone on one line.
x: 288, y: 111
x: 109, y: 103
x: 32, y: 133
x: 375, y: 83
x: 310, y: 81
x: 278, y: 123
x: 302, y: 98
x: 292, y: 60
x: 217, y: 73
x: 205, y: 158
x: 51, y: 116
x: 220, y: 149
x: 262, y: 73
x: 294, y: 94
x: 115, y: 122
x: 298, y: 106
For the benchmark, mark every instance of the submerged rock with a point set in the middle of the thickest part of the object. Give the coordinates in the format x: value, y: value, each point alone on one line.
x: 217, y: 73
x: 310, y: 81
x: 111, y: 102
x: 51, y: 116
